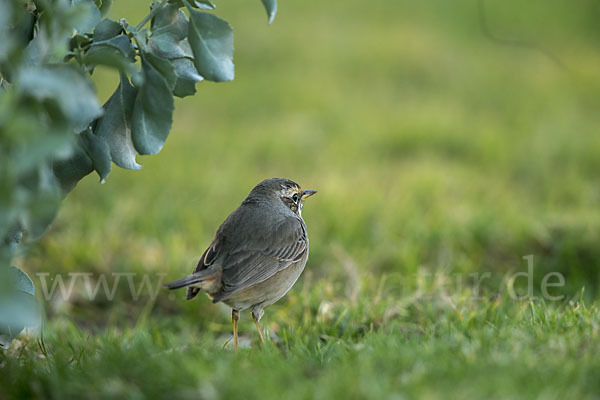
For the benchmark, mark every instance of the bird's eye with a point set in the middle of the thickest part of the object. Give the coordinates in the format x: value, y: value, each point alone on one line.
x: 295, y: 197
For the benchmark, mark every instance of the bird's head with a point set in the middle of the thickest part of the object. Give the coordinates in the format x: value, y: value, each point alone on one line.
x: 289, y: 192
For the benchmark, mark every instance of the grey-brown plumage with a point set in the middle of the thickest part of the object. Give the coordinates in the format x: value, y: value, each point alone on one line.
x: 257, y: 254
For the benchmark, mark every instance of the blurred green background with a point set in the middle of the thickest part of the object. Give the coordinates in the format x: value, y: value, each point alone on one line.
x: 435, y: 148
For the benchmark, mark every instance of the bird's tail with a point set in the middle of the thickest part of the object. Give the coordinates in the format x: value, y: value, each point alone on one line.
x: 195, y: 280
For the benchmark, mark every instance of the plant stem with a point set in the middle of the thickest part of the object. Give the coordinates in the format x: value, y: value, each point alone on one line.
x: 150, y: 15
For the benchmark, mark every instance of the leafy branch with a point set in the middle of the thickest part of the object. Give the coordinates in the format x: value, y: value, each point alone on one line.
x: 53, y: 130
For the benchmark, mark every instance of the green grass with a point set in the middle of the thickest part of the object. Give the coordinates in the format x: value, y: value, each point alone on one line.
x: 434, y: 150
x: 484, y: 350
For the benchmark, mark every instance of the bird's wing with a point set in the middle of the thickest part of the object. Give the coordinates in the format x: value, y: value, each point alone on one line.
x: 205, y: 261
x: 262, y: 257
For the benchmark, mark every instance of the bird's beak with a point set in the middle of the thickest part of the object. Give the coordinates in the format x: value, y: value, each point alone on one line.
x: 307, y: 193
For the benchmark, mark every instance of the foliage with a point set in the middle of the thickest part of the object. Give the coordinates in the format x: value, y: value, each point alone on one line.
x: 54, y: 132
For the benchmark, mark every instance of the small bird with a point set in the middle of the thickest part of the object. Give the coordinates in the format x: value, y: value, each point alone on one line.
x: 257, y: 254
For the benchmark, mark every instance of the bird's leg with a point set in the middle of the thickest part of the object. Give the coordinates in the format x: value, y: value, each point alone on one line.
x: 235, y: 317
x: 256, y: 316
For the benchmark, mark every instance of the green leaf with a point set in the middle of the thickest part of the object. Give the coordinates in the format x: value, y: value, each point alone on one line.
x: 121, y: 43
x: 58, y: 21
x: 41, y: 196
x: 187, y: 77
x: 20, y: 281
x: 170, y: 20
x: 137, y: 79
x: 5, y: 17
x: 204, y: 4
x: 88, y: 15
x: 105, y: 7
x: 71, y: 170
x: 168, y: 41
x: 13, y: 236
x: 36, y: 50
x: 152, y: 112
x: 167, y: 47
x: 80, y: 41
x: 116, y: 52
x: 211, y: 39
x: 201, y: 4
x: 106, y: 29
x: 41, y: 146
x: 18, y: 307
x: 164, y: 67
x: 9, y: 38
x: 169, y: 30
x: 22, y: 30
x: 115, y: 125
x: 99, y: 152
x: 65, y: 85
x: 271, y: 7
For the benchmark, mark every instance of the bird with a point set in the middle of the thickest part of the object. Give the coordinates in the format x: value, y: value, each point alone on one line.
x: 257, y: 254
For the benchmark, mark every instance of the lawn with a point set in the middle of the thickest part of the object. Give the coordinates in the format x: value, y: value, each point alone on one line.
x: 442, y: 155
